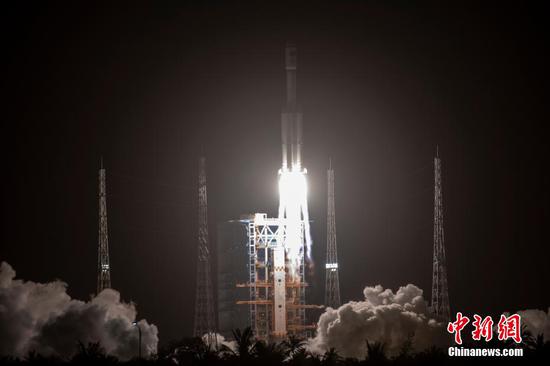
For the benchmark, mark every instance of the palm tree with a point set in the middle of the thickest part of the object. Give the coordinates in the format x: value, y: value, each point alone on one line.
x: 293, y: 346
x: 33, y: 358
x: 269, y: 353
x: 193, y: 351
x: 406, y: 349
x: 331, y: 358
x: 376, y: 352
x: 245, y: 344
x: 301, y: 357
x: 92, y: 354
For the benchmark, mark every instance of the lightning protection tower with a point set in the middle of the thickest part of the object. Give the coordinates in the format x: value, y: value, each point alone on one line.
x: 332, y: 283
x: 103, y: 267
x: 204, y: 302
x: 440, y: 292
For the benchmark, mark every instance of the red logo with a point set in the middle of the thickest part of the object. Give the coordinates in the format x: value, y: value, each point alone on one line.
x: 457, y: 327
x: 483, y: 329
x: 507, y: 328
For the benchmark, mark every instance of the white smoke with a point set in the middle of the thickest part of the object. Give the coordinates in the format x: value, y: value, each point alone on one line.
x: 218, y: 342
x: 43, y: 318
x: 537, y: 322
x: 384, y: 316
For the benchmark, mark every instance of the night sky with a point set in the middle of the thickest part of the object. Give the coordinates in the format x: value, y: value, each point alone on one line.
x: 150, y: 87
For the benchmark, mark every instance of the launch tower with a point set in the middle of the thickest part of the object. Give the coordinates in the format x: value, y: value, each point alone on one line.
x: 279, y: 247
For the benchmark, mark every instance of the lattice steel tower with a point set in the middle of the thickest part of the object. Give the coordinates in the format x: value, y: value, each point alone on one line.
x: 103, y: 267
x: 332, y: 283
x: 204, y: 300
x: 440, y: 292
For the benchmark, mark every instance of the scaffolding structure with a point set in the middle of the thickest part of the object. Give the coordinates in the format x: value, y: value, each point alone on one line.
x: 271, y: 294
x: 277, y: 246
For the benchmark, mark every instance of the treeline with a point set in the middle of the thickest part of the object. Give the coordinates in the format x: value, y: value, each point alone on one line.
x: 291, y: 352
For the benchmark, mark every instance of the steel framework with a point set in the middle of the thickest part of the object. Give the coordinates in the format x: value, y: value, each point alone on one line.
x: 103, y: 266
x: 265, y: 236
x: 440, y: 292
x: 204, y: 298
x: 276, y: 247
x: 332, y: 283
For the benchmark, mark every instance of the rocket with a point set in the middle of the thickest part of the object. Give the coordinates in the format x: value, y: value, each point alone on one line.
x: 291, y: 117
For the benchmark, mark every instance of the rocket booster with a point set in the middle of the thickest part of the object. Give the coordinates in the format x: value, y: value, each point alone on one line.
x: 291, y: 118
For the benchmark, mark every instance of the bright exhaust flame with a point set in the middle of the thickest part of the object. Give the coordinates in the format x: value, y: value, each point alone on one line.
x: 292, y: 212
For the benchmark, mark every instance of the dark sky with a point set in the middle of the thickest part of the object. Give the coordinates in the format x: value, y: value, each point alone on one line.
x: 148, y: 87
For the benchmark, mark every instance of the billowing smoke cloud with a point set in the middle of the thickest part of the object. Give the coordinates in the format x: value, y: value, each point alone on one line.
x: 218, y: 342
x: 537, y: 322
x: 43, y: 318
x: 384, y: 316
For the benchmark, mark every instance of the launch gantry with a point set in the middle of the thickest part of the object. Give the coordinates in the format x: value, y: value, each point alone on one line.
x: 276, y: 300
x: 278, y: 247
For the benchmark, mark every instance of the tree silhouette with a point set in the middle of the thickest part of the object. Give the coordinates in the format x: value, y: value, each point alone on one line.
x: 269, y: 353
x: 92, y: 354
x: 290, y: 352
x: 245, y: 344
x: 293, y: 345
x: 194, y: 351
x: 331, y: 358
x: 35, y: 358
x: 376, y: 352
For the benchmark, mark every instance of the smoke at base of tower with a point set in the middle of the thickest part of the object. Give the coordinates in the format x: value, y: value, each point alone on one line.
x: 395, y: 319
x: 42, y: 317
